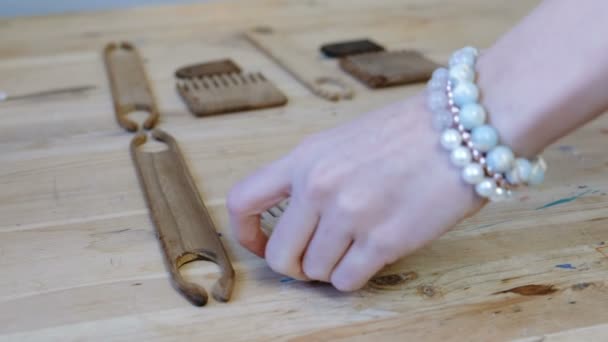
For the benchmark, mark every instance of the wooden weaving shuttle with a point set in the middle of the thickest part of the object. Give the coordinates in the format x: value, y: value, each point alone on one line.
x: 183, y: 225
x: 321, y: 81
x: 129, y: 85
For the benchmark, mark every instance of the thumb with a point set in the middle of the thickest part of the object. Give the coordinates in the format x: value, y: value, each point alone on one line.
x: 254, y: 195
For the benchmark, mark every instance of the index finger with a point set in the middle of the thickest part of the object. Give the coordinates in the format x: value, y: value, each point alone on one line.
x: 254, y: 195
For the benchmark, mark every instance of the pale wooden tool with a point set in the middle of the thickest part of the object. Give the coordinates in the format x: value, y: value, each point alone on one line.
x: 270, y: 217
x: 229, y: 92
x: 321, y: 81
x: 183, y: 224
x: 130, y: 86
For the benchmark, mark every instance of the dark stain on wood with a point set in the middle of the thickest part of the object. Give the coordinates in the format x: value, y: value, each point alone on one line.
x: 506, y: 280
x: 601, y: 251
x: 136, y: 284
x: 531, y: 290
x: 427, y: 291
x: 580, y: 286
x: 395, y: 279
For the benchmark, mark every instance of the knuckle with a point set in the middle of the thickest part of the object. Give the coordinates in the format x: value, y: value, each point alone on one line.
x: 352, y: 204
x: 314, y: 271
x: 320, y: 181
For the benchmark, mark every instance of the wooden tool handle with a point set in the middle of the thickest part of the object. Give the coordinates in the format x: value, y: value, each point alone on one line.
x: 182, y: 222
x: 319, y: 80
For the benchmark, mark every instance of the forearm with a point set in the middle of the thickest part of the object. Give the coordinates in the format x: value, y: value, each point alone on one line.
x: 548, y: 75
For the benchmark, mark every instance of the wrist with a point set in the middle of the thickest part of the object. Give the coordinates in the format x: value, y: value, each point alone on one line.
x: 522, y: 114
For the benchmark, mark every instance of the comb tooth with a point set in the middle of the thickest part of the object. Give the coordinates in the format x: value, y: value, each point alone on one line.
x: 241, y: 79
x: 217, y: 81
x: 207, y: 82
x: 261, y: 77
x: 183, y: 86
x: 194, y: 84
x: 252, y: 78
x: 228, y: 80
x: 234, y: 78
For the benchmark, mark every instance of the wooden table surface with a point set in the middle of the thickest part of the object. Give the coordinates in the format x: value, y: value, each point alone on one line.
x: 78, y: 256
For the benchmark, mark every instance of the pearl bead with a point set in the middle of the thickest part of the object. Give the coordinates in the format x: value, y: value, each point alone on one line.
x: 537, y: 173
x: 462, y: 58
x: 461, y: 73
x: 441, y: 74
x: 442, y: 120
x: 473, y: 173
x: 520, y: 172
x: 465, y: 92
x: 500, y: 159
x: 451, y: 139
x: 461, y: 156
x: 484, y: 137
x: 499, y: 195
x: 435, y: 85
x: 470, y: 50
x: 466, y: 55
x: 437, y: 100
x: 486, y: 188
x: 472, y: 115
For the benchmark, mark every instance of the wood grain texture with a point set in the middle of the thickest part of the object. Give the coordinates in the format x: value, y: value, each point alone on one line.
x: 78, y: 255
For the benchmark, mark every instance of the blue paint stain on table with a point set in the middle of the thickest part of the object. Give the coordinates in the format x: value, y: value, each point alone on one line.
x: 564, y: 200
x: 566, y: 266
x: 286, y: 280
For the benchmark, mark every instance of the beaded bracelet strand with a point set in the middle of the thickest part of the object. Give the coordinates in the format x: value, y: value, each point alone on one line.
x: 474, y: 145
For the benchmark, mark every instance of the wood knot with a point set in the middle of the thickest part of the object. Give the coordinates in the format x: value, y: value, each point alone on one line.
x: 531, y: 290
x: 427, y: 291
x: 393, y: 279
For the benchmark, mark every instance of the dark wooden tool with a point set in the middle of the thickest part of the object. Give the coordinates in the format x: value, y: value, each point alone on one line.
x: 183, y: 225
x: 389, y: 68
x: 229, y: 92
x: 350, y: 48
x: 130, y: 86
x: 222, y: 66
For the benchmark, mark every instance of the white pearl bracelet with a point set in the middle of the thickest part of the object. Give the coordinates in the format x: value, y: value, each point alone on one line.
x: 475, y: 147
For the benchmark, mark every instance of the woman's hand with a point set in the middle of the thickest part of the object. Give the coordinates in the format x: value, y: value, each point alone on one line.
x: 362, y: 196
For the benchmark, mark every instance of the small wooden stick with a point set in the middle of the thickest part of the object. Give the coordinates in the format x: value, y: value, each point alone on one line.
x: 321, y: 81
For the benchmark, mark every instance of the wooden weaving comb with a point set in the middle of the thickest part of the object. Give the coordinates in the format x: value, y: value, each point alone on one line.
x: 321, y: 81
x: 389, y: 68
x: 183, y: 225
x: 228, y: 92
